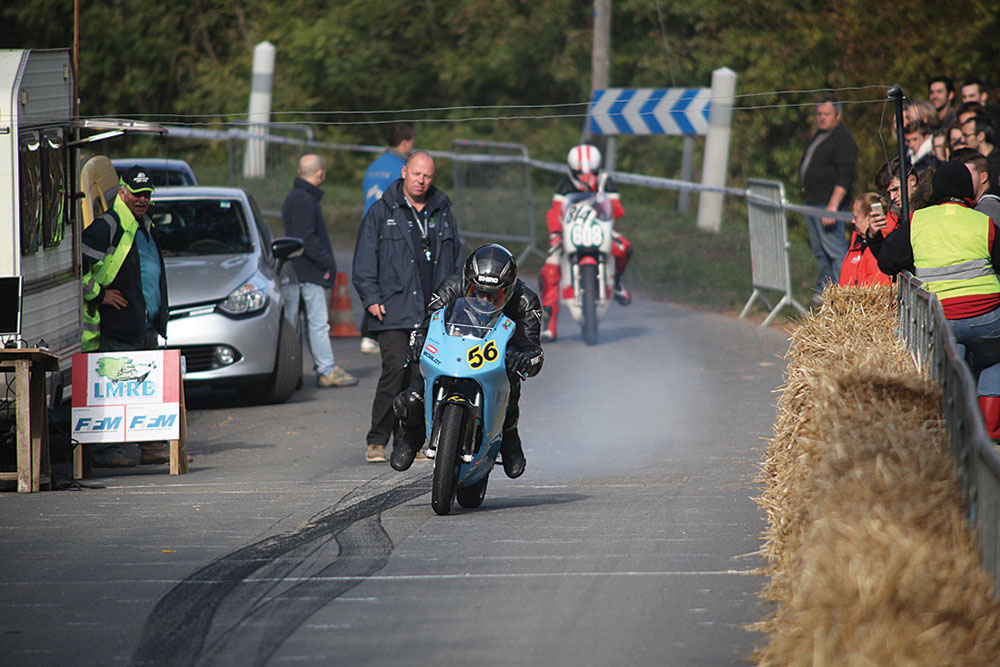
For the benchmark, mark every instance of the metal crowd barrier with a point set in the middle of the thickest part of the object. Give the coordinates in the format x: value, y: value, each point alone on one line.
x: 493, y: 199
x: 769, y: 262
x: 922, y: 325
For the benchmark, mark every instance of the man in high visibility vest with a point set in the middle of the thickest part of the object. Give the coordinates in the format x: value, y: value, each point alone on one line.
x: 124, y: 289
x: 955, y: 252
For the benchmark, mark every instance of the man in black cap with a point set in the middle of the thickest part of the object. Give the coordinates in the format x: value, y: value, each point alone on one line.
x: 124, y: 291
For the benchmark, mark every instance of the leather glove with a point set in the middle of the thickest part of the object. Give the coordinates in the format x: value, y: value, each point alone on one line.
x: 519, y: 362
x: 416, y: 345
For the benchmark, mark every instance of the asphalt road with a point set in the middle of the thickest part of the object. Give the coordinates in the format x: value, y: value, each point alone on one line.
x: 629, y: 540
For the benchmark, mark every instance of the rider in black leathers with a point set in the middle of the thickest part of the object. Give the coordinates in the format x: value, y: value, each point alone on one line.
x: 490, y: 272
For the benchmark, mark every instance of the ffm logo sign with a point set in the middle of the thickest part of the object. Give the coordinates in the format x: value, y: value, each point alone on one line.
x: 126, y: 396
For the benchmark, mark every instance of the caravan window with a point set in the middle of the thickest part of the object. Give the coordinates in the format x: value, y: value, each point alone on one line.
x: 43, y: 182
x: 53, y: 187
x: 30, y: 170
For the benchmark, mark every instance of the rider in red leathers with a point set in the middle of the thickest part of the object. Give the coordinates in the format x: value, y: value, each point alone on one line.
x: 585, y: 175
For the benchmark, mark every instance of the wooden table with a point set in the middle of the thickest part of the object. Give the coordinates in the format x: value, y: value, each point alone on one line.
x: 29, y: 366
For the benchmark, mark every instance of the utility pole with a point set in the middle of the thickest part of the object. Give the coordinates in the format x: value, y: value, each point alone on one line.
x: 600, y: 69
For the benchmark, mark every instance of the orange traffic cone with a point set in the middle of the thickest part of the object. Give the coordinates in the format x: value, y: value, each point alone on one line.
x: 341, y: 315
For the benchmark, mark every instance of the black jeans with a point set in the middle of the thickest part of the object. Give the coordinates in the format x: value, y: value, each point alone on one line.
x: 396, y: 376
x: 150, y: 339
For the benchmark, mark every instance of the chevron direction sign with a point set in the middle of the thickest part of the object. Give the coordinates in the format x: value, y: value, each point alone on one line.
x: 682, y: 111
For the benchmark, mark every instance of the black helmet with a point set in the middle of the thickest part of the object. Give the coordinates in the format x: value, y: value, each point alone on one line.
x: 490, y: 274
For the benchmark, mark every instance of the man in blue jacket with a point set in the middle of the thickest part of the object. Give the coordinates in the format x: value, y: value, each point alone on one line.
x: 408, y: 243
x: 316, y: 268
x: 382, y: 173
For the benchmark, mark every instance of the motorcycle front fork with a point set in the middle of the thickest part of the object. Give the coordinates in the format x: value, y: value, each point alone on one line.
x: 470, y: 425
x: 602, y: 281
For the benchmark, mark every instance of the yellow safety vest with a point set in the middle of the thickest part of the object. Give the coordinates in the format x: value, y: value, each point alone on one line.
x: 951, y: 251
x: 103, y: 272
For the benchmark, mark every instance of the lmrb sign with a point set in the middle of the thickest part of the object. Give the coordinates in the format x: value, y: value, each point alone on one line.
x: 126, y: 396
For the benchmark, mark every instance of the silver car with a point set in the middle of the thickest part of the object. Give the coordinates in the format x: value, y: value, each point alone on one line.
x: 165, y: 171
x: 233, y: 297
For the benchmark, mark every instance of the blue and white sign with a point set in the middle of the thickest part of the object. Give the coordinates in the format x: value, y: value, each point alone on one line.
x: 678, y: 111
x: 126, y: 396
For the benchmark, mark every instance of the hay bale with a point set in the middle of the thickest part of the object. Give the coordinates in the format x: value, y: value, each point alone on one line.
x: 870, y: 559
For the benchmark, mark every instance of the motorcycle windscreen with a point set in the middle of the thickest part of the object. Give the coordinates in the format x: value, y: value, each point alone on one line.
x: 469, y: 316
x: 599, y: 201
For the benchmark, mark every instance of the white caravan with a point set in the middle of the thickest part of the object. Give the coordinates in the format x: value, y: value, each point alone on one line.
x: 38, y: 240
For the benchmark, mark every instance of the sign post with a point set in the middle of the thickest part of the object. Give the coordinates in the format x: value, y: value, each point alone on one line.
x: 687, y: 112
x: 134, y: 396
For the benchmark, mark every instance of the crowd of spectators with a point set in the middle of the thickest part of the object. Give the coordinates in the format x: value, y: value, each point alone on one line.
x: 949, y: 239
x: 955, y: 124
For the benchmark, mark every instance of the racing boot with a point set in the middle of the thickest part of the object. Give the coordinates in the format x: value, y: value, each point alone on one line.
x: 510, y: 452
x: 408, y: 406
x: 621, y: 293
x: 549, y: 278
x: 548, y: 323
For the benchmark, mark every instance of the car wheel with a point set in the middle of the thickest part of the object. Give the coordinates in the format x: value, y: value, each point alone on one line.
x: 287, y: 374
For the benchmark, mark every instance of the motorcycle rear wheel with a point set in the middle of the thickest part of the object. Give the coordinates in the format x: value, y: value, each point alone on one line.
x: 446, y: 461
x: 471, y: 497
x: 589, y: 285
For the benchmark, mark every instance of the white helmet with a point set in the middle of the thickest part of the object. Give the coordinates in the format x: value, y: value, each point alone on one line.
x: 584, y: 165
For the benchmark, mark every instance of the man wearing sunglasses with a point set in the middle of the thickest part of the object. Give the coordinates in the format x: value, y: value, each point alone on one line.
x: 124, y: 290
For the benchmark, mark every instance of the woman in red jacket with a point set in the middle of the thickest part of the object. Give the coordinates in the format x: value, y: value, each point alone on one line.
x: 860, y: 266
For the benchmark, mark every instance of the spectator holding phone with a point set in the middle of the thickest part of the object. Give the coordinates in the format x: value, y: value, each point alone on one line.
x: 860, y: 266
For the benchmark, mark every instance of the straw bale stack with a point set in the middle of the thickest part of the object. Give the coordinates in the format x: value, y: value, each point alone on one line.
x: 870, y: 558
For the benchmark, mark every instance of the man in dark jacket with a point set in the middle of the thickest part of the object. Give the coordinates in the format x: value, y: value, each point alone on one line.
x: 826, y: 172
x: 124, y: 291
x: 407, y: 244
x: 316, y: 268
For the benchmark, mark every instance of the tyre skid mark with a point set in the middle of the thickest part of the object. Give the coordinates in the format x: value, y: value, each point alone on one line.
x: 177, y: 631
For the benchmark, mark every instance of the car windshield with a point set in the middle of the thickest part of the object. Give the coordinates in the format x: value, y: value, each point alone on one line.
x: 185, y: 227
x: 470, y: 317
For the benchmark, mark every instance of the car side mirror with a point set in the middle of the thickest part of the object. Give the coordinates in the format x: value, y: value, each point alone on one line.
x: 287, y: 247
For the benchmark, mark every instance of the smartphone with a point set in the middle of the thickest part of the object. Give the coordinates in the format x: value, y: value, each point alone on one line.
x: 877, y: 209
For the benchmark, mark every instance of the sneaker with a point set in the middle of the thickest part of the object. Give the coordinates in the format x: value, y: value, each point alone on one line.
x: 375, y: 454
x: 369, y: 345
x: 338, y: 377
x: 422, y: 456
x: 621, y: 294
x: 548, y: 334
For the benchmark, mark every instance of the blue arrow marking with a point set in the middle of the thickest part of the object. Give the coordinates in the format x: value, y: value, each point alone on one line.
x: 615, y: 112
x: 679, y: 111
x: 647, y: 109
x: 594, y: 127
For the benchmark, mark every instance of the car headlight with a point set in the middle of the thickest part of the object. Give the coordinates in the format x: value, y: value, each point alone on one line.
x: 246, y: 299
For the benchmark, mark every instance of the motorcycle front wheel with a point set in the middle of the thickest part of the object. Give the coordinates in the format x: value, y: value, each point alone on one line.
x: 588, y: 285
x: 446, y: 461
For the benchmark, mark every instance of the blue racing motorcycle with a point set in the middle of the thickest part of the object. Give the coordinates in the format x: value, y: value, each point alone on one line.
x: 466, y: 391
